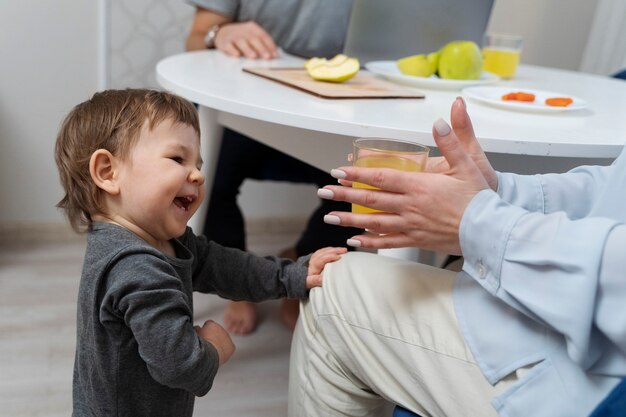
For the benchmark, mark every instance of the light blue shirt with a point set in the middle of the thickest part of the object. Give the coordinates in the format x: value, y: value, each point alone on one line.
x: 544, y: 284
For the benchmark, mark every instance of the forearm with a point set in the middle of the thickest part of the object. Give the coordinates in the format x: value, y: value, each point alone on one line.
x: 157, y: 316
x: 235, y: 274
x: 573, y: 192
x: 531, y: 260
x: 203, y: 21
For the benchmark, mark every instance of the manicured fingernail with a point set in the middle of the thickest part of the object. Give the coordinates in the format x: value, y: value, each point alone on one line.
x: 337, y: 173
x: 354, y: 243
x: 462, y: 100
x: 442, y: 128
x: 324, y: 193
x: 331, y: 219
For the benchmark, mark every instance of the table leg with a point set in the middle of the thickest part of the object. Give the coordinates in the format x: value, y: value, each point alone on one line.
x: 210, y: 141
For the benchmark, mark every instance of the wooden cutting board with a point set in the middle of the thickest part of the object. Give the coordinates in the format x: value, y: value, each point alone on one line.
x: 362, y: 85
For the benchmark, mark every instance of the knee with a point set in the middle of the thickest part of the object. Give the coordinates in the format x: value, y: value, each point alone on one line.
x: 350, y: 274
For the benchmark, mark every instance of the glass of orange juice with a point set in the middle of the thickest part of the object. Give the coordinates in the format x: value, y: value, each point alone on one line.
x: 386, y: 153
x: 501, y: 54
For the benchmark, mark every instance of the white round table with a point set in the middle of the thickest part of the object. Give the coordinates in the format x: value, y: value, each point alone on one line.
x: 319, y: 131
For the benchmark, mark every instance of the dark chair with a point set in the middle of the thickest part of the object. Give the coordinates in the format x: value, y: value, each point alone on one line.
x: 403, y: 412
x: 614, y: 405
x: 621, y: 75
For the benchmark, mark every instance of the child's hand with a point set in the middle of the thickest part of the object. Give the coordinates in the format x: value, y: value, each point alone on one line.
x: 318, y: 260
x: 218, y: 337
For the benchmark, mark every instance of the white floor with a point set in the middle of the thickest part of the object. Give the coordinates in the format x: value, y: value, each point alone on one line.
x: 38, y: 287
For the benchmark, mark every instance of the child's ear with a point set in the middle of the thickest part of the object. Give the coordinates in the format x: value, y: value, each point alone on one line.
x: 102, y: 166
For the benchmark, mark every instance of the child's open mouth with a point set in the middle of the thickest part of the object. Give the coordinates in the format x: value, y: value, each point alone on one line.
x: 184, y: 202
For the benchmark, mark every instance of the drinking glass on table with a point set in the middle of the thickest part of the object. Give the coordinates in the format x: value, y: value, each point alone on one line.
x: 501, y: 54
x: 386, y: 153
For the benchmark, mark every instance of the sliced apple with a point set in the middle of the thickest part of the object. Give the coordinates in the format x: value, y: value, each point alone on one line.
x: 314, y: 62
x: 416, y: 65
x: 338, y: 60
x: 338, y: 69
x: 433, y: 58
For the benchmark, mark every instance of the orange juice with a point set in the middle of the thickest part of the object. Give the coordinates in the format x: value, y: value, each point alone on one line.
x: 501, y: 61
x: 390, y: 161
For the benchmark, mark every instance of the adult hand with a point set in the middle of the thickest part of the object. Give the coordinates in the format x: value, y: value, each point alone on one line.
x: 318, y: 261
x: 246, y: 39
x: 420, y: 209
x: 218, y: 337
x: 464, y: 131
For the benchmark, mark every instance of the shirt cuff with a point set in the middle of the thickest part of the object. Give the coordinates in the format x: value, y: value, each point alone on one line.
x: 483, y: 234
x: 521, y: 190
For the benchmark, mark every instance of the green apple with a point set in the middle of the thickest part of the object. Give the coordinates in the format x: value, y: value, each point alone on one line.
x: 416, y: 65
x: 433, y: 58
x: 460, y: 60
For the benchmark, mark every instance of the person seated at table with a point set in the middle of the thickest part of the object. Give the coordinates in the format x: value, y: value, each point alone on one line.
x: 255, y: 30
x: 533, y: 325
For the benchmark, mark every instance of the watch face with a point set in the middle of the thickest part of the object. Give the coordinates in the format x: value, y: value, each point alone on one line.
x: 209, y: 39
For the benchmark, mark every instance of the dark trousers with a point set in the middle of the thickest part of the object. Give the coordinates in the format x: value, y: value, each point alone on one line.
x: 240, y: 158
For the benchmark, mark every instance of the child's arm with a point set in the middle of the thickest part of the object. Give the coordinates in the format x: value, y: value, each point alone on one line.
x: 318, y: 261
x: 237, y: 275
x: 218, y: 337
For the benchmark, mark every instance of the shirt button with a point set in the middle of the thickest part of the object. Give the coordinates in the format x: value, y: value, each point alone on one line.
x: 481, y: 269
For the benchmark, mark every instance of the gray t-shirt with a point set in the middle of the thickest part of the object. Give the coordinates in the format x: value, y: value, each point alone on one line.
x: 137, y: 353
x: 300, y: 27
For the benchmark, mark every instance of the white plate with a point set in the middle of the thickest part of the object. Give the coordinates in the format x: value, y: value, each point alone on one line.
x: 390, y: 71
x: 493, y: 96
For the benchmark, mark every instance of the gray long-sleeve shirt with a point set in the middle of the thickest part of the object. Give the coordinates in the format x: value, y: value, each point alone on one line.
x: 137, y: 353
x: 301, y: 27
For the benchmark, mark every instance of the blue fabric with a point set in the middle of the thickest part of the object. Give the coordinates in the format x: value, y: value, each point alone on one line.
x: 613, y: 406
x: 621, y: 75
x: 403, y: 412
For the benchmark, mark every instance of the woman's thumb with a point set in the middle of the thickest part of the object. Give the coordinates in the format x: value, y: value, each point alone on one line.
x: 449, y: 145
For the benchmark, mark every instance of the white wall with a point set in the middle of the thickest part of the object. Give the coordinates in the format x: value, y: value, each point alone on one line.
x: 555, y: 31
x: 49, y: 63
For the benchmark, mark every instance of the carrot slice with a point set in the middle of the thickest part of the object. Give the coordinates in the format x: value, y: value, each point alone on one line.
x: 509, y: 97
x: 519, y: 96
x: 559, y: 101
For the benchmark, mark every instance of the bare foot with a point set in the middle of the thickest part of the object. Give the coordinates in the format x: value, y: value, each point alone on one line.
x: 289, y: 310
x: 240, y: 317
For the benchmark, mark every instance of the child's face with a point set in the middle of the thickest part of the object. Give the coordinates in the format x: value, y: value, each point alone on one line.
x: 161, y: 185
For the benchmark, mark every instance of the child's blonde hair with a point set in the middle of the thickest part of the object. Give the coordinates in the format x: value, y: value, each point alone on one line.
x: 110, y: 120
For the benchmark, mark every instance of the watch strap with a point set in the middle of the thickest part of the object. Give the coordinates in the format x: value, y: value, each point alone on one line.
x: 209, y: 39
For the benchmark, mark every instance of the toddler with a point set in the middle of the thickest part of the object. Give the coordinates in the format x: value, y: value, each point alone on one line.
x: 130, y: 165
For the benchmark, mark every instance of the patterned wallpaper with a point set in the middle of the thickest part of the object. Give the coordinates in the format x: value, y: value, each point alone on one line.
x: 142, y: 32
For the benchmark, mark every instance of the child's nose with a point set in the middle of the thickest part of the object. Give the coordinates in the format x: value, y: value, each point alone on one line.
x: 196, y: 176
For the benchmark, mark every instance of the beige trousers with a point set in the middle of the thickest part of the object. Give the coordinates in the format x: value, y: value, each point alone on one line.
x: 380, y: 332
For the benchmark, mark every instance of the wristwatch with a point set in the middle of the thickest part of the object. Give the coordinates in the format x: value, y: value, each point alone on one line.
x: 209, y: 39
